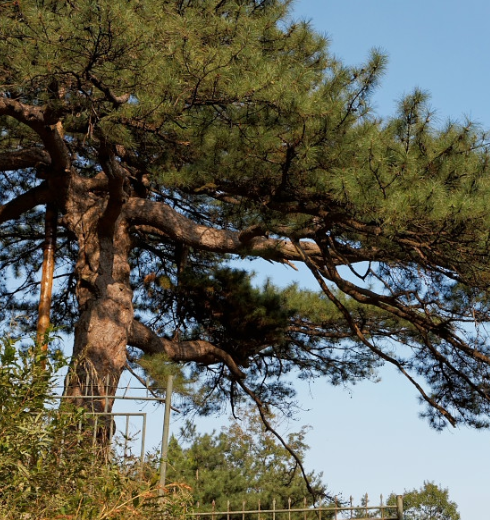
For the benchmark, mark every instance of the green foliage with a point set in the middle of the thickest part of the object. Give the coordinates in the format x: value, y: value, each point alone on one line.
x: 233, y: 313
x: 47, y: 467
x: 28, y: 428
x: 234, y: 131
x: 222, y: 305
x: 430, y: 502
x: 243, y: 463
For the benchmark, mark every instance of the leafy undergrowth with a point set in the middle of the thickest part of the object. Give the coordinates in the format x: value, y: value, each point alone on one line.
x: 48, y: 467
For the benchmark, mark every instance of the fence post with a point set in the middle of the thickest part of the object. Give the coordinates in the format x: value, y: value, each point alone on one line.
x: 143, y: 440
x: 106, y: 402
x: 165, y: 434
x: 399, y: 507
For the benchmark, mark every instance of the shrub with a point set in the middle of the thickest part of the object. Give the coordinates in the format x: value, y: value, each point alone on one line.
x: 46, y: 468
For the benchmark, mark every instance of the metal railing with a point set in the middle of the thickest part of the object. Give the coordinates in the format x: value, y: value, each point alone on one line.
x: 107, y: 421
x: 334, y: 510
x: 121, y: 438
x: 326, y: 512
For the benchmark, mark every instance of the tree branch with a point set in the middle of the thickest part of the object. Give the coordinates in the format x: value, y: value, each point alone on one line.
x: 48, y: 129
x: 198, y: 351
x: 15, y: 208
x: 394, y: 306
x: 357, y: 331
x: 29, y: 115
x: 116, y: 100
x: 263, y: 416
x: 182, y: 229
x: 20, y: 159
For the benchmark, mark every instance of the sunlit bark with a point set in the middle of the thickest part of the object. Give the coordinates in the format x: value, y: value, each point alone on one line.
x: 46, y: 289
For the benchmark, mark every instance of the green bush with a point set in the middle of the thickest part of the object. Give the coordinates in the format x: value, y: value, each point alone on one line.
x: 46, y: 468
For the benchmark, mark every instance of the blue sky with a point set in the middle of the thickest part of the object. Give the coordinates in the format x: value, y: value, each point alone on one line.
x: 439, y: 46
x: 370, y: 439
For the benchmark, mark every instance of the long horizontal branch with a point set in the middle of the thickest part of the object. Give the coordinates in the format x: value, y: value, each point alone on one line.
x: 30, y: 199
x: 198, y: 351
x: 29, y: 115
x: 180, y: 228
x: 20, y: 159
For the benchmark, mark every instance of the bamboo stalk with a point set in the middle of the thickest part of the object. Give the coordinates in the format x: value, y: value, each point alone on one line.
x: 45, y: 297
x: 165, y: 435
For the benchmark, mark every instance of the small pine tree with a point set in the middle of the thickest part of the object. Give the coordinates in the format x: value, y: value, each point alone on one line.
x: 430, y: 502
x: 242, y: 464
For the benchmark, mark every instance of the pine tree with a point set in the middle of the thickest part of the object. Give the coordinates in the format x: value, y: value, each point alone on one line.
x: 174, y: 135
x: 242, y: 466
x: 430, y: 502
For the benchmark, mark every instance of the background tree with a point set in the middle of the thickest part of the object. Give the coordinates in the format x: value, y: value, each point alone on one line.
x: 242, y: 464
x: 430, y: 502
x: 175, y: 135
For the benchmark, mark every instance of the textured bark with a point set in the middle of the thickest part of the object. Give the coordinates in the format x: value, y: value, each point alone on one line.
x: 103, y: 292
x: 102, y: 269
x: 182, y: 229
x: 28, y: 158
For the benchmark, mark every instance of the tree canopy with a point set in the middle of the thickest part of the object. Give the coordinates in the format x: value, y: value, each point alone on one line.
x: 172, y: 136
x: 430, y: 502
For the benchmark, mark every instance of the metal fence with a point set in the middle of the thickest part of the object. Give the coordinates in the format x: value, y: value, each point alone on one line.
x: 124, y: 441
x: 331, y: 511
x: 124, y: 438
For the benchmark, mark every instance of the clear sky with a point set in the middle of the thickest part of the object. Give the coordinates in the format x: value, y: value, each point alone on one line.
x: 371, y: 438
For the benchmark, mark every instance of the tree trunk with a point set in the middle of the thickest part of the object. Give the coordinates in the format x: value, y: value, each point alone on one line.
x: 105, y: 301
